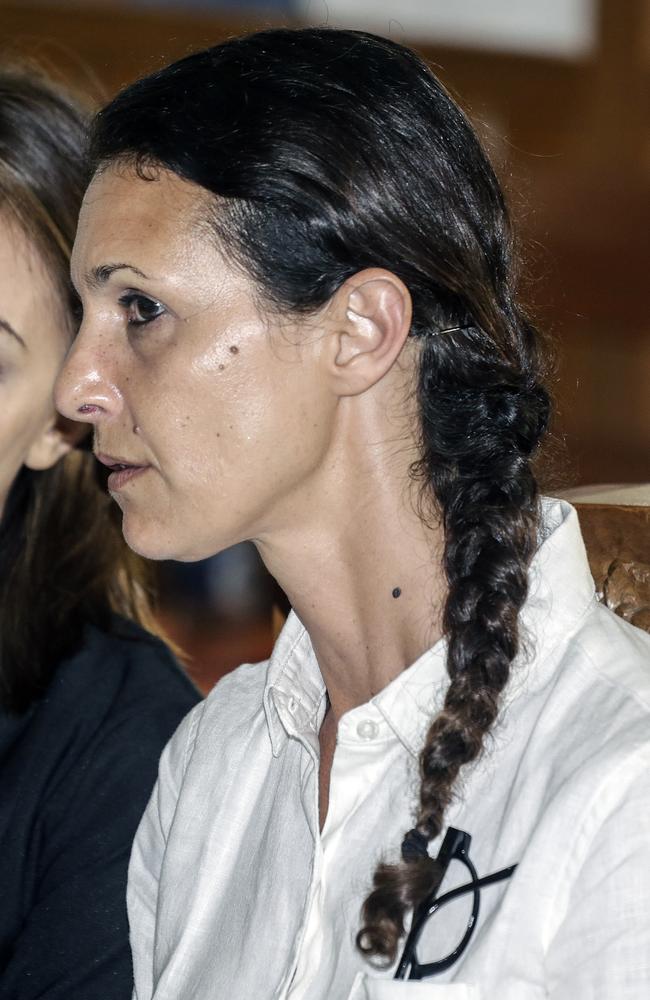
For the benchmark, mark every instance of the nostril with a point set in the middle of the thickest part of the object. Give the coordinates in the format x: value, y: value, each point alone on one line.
x: 86, y: 408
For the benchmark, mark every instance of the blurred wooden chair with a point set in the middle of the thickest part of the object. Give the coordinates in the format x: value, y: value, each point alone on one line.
x: 615, y: 523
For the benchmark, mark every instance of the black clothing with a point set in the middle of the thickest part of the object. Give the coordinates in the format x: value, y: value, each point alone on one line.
x: 76, y: 771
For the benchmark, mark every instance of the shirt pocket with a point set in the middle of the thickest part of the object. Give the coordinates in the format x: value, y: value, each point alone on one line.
x: 365, y: 987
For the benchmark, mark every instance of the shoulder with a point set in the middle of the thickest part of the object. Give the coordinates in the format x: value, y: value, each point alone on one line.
x: 84, y: 765
x: 120, y: 696
x: 589, y: 725
x: 229, y: 717
x: 612, y: 658
x: 240, y: 691
x: 124, y: 665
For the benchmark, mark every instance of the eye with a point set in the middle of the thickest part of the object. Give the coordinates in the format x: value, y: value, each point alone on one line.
x: 140, y: 309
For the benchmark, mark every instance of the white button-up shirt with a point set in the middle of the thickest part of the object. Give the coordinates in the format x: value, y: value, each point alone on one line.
x: 234, y: 893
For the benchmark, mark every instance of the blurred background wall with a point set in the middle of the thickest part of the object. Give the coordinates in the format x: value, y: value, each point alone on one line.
x: 559, y: 91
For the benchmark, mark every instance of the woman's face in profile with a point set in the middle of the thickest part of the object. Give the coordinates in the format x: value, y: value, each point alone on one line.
x: 33, y: 341
x: 209, y: 408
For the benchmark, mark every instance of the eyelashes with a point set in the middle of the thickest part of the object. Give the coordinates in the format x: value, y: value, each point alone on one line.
x: 140, y: 309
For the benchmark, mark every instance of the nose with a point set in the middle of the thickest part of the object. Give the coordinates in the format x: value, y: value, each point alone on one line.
x: 85, y: 389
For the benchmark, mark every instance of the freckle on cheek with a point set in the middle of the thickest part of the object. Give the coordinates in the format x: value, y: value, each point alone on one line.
x: 221, y: 367
x: 233, y: 349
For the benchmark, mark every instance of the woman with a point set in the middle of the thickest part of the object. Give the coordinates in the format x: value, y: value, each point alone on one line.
x: 87, y: 697
x: 301, y: 328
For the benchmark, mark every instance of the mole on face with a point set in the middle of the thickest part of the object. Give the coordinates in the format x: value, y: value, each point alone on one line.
x: 233, y: 349
x: 397, y: 591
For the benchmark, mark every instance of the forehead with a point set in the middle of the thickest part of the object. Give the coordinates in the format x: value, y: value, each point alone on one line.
x: 125, y: 217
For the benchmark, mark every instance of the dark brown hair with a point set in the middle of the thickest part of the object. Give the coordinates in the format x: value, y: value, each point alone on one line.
x: 334, y: 151
x: 63, y: 562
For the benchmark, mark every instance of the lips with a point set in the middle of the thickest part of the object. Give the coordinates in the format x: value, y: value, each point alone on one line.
x: 117, y: 463
x: 123, y: 470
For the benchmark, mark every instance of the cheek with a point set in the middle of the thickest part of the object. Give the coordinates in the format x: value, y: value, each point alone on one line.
x: 254, y: 432
x: 231, y: 431
x: 23, y: 416
x: 222, y: 438
x: 236, y: 440
x: 13, y: 441
x: 225, y: 463
x: 211, y: 415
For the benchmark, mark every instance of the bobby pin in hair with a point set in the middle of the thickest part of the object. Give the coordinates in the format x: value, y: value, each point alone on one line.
x: 449, y: 329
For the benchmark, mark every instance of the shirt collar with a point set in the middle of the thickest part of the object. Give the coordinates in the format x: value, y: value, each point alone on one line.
x: 561, y: 590
x: 294, y: 694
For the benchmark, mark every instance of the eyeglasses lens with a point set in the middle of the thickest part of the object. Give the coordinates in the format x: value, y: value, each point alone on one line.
x: 445, y: 929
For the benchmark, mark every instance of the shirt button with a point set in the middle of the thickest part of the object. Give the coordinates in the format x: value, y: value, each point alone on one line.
x: 367, y: 729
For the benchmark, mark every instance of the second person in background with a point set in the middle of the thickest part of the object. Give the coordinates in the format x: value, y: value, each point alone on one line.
x: 88, y: 696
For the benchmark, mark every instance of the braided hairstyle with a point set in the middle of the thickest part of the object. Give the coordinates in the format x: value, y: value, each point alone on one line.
x: 327, y: 152
x: 481, y: 420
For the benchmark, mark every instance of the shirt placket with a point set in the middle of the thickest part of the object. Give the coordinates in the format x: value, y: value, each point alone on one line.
x: 358, y: 731
x: 302, y: 728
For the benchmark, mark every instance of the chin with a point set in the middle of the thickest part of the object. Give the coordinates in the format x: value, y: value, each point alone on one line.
x: 154, y: 540
x: 147, y: 539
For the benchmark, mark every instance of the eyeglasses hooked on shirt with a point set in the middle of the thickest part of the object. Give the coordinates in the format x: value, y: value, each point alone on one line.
x: 455, y: 846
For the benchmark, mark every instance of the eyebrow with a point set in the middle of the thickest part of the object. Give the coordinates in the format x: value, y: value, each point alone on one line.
x: 8, y: 328
x: 98, y: 276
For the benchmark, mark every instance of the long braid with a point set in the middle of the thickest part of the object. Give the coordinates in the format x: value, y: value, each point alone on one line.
x: 480, y: 424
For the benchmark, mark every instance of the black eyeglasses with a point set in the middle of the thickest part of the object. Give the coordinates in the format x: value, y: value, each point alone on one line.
x: 456, y: 846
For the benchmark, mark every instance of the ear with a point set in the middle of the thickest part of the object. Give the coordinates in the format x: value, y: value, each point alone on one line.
x: 57, y: 438
x: 372, y: 317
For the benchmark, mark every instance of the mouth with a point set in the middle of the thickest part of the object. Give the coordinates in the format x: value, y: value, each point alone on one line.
x: 122, y: 471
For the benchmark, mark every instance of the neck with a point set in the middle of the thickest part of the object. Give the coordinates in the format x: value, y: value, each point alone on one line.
x: 363, y: 572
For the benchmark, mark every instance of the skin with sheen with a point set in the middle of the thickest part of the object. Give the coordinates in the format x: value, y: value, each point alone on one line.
x: 293, y: 433
x: 33, y: 340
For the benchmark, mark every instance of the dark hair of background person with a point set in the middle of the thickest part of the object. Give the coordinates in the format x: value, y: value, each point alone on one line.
x: 63, y: 562
x: 329, y: 152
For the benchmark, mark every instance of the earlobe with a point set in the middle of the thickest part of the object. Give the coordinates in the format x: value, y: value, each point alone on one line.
x: 377, y: 309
